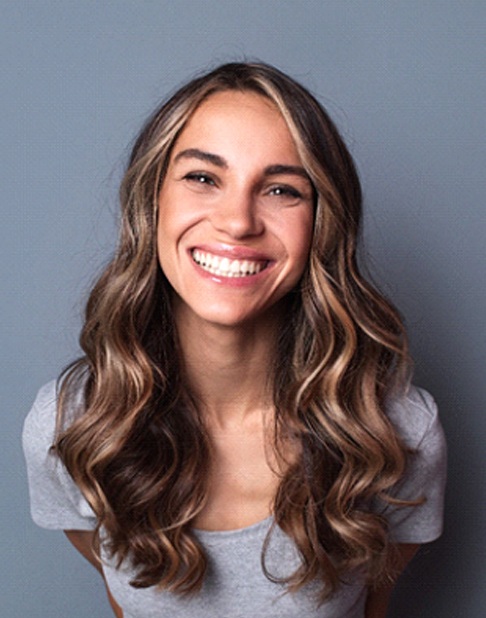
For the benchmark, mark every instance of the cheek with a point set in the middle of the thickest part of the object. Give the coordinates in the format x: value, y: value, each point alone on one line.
x: 167, y: 235
x: 299, y: 232
x: 162, y: 238
x: 178, y: 212
x: 173, y: 222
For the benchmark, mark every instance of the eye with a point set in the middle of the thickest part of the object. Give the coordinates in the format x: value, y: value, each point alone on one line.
x: 285, y: 191
x: 200, y: 178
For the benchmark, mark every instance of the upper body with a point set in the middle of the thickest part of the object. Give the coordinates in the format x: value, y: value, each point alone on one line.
x: 236, y: 586
x: 239, y: 372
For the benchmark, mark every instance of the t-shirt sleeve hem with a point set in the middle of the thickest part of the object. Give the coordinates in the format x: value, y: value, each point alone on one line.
x: 422, y: 537
x: 49, y: 523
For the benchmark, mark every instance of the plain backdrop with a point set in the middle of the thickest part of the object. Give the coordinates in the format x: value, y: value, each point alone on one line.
x: 404, y: 80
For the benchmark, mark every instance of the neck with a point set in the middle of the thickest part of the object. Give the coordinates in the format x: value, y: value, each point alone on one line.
x: 229, y: 369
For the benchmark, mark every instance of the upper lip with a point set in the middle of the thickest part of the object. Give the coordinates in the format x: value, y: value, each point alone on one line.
x: 235, y: 252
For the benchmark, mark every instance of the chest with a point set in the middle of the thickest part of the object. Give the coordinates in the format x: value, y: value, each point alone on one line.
x: 243, y: 478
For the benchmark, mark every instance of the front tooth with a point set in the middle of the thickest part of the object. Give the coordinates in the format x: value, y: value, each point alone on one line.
x: 224, y: 265
x: 235, y: 267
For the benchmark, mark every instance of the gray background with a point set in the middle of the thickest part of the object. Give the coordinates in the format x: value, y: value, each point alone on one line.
x: 405, y: 82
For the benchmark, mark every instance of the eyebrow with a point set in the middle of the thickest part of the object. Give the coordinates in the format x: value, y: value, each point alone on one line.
x: 296, y: 170
x: 271, y: 170
x: 195, y: 153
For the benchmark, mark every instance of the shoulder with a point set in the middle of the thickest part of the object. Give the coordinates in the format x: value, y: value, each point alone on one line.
x: 415, y: 417
x: 56, y: 501
x: 41, y: 420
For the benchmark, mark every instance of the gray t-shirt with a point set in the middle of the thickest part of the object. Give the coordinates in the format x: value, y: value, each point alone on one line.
x: 235, y: 586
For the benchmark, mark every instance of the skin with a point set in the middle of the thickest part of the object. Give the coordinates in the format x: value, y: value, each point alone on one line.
x: 235, y: 188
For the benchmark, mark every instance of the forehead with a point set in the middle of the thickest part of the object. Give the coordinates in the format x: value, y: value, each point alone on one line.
x: 235, y: 119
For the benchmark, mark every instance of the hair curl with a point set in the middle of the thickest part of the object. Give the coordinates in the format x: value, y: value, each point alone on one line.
x: 136, y: 447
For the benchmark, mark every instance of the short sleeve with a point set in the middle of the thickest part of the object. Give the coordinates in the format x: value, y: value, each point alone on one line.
x: 55, y: 500
x: 416, y: 420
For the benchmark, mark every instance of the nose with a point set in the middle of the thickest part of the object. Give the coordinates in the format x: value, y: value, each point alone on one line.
x: 237, y: 216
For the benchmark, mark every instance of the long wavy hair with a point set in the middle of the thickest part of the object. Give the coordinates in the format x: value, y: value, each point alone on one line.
x: 134, y: 442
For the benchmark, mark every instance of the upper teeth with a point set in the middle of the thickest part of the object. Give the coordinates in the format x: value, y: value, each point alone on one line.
x: 225, y: 267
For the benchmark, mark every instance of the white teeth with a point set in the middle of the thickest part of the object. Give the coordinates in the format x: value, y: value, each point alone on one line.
x: 224, y: 267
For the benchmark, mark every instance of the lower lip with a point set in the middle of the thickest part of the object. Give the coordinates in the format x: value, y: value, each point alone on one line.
x: 233, y: 282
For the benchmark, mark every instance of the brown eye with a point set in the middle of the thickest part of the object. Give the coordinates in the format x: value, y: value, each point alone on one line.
x: 285, y: 191
x: 200, y: 178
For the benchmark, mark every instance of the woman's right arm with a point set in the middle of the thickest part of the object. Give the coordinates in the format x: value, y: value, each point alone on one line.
x: 84, y: 542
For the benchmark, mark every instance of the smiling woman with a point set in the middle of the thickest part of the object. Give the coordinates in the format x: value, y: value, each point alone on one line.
x: 240, y: 437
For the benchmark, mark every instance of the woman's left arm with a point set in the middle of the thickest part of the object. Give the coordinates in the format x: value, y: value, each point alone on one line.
x: 379, y: 597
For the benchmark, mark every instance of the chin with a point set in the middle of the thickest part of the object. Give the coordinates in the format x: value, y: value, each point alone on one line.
x: 228, y: 320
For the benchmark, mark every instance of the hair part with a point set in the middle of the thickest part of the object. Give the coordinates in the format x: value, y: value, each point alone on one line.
x: 137, y: 445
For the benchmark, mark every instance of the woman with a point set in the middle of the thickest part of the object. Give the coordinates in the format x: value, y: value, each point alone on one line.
x: 239, y: 438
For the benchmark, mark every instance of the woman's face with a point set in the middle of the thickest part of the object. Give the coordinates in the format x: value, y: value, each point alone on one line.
x: 235, y: 211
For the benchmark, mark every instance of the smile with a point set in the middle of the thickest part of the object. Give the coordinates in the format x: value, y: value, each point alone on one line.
x: 225, y: 267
